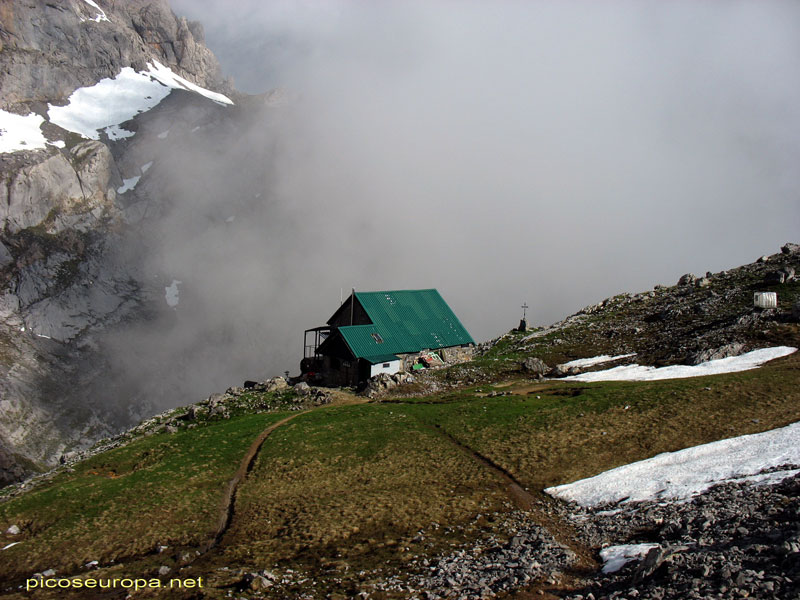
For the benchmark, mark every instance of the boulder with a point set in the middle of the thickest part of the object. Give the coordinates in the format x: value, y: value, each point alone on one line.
x: 13, y: 530
x: 379, y: 384
x: 302, y: 388
x: 687, y: 279
x: 651, y: 562
x: 215, y: 399
x: 782, y: 275
x: 535, y: 367
x: 564, y: 371
x: 732, y: 349
x: 276, y: 384
x: 256, y: 582
x: 68, y: 457
x: 789, y: 248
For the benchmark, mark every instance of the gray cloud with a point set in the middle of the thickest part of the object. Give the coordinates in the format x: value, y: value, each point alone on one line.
x: 554, y: 153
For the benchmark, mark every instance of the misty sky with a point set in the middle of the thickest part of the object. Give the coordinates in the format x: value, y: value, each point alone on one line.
x: 541, y: 152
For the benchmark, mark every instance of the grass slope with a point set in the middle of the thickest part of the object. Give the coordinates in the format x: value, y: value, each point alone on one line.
x: 162, y: 490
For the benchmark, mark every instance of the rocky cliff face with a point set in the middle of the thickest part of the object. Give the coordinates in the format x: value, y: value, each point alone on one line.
x: 74, y: 215
x: 49, y: 49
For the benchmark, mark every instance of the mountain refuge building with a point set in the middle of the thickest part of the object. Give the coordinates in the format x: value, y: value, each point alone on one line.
x: 384, y: 332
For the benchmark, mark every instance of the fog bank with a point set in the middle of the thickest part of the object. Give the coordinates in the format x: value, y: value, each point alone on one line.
x: 539, y: 152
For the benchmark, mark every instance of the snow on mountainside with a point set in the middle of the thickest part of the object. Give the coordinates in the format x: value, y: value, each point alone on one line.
x: 103, y: 106
x: 685, y: 473
x: 731, y: 364
x: 111, y: 102
x: 21, y: 132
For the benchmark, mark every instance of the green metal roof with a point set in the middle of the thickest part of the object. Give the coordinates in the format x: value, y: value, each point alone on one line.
x: 380, y: 358
x: 404, y: 321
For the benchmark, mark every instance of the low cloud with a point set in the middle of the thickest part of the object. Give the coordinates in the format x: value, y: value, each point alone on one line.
x: 539, y: 152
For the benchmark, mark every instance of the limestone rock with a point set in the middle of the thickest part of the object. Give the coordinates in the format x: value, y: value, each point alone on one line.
x: 383, y: 382
x: 782, y: 275
x: 215, y: 399
x: 564, y: 371
x: 790, y: 248
x: 30, y: 194
x: 302, y: 388
x: 687, y: 279
x: 732, y: 349
x: 52, y: 51
x: 5, y: 256
x: 97, y: 172
x: 276, y: 384
x: 651, y: 562
x: 535, y: 367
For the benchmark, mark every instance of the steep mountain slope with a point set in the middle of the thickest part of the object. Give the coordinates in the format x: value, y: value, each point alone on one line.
x: 80, y: 197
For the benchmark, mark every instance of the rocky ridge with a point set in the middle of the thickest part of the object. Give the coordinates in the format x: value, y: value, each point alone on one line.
x: 696, y: 320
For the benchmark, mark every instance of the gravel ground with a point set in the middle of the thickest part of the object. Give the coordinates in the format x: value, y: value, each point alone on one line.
x: 734, y: 541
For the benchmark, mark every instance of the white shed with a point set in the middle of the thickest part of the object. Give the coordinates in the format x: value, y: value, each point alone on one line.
x: 390, y: 364
x: 765, y: 300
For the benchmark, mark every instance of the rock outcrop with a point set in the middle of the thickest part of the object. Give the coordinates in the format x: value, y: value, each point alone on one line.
x: 52, y: 48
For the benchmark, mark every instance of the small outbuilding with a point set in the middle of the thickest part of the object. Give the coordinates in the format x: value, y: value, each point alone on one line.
x: 765, y: 300
x: 384, y: 332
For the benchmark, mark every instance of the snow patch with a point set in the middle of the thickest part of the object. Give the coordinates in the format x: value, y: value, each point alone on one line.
x: 616, y: 557
x: 590, y: 362
x: 732, y: 364
x: 163, y: 135
x: 170, y: 79
x: 128, y: 184
x: 110, y: 102
x: 6, y: 547
x: 171, y: 293
x: 18, y: 132
x: 101, y: 16
x: 673, y: 476
x: 146, y: 166
x: 115, y: 132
